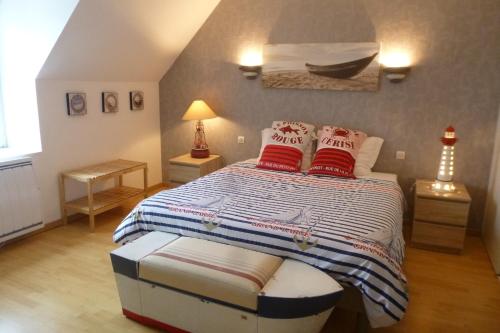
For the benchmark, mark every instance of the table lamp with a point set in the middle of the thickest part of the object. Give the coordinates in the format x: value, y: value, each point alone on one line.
x: 444, y: 179
x: 199, y: 110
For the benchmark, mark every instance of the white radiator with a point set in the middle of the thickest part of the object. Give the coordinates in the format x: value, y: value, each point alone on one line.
x: 19, y: 199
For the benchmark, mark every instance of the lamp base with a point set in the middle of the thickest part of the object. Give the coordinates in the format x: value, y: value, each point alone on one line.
x: 443, y: 186
x: 200, y: 153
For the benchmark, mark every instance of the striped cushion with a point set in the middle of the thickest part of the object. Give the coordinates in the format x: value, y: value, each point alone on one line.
x: 218, y: 271
x: 334, y: 162
x: 281, y: 158
x: 337, y: 151
x: 285, y: 145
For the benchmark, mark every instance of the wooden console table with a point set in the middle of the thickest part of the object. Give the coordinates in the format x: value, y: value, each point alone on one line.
x: 96, y: 203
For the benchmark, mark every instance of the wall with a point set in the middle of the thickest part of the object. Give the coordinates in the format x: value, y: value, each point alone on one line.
x: 117, y: 45
x: 491, y: 227
x: 72, y: 142
x: 124, y: 40
x: 455, y: 80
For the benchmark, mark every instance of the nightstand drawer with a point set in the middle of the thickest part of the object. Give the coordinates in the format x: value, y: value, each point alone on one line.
x: 448, y: 212
x: 183, y: 169
x: 438, y: 235
x: 183, y: 173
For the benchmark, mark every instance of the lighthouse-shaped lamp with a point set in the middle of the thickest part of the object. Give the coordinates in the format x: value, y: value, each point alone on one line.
x: 444, y: 180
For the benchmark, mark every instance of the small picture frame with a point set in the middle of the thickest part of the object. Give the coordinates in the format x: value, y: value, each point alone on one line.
x: 109, y: 101
x: 76, y: 103
x: 136, y: 99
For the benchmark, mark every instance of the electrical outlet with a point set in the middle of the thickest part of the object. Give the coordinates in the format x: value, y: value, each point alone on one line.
x: 400, y: 155
x: 241, y: 139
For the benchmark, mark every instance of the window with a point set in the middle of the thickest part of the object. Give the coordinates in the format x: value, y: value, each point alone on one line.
x: 28, y: 31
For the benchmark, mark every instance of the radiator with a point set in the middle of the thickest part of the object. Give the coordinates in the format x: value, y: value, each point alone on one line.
x: 20, y: 211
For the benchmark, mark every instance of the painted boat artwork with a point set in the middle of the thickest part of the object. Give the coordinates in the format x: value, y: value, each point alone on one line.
x: 334, y: 66
x: 343, y: 70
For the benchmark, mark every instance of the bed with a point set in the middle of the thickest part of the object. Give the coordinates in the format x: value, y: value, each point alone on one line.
x: 349, y: 228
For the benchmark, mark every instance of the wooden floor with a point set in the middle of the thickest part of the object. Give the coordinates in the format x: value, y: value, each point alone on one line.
x: 61, y: 281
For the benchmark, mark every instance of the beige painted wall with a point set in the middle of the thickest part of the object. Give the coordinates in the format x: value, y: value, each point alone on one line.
x: 455, y: 80
x: 73, y: 142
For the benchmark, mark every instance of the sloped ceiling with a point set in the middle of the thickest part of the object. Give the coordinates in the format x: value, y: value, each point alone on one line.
x: 124, y: 40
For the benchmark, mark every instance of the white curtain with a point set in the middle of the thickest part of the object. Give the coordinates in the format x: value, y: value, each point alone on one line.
x: 3, y: 141
x: 3, y: 137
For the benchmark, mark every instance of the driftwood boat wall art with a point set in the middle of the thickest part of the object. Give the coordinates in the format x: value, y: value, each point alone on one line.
x: 336, y: 66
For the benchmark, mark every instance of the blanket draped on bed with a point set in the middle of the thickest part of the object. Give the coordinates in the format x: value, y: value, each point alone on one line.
x: 350, y: 228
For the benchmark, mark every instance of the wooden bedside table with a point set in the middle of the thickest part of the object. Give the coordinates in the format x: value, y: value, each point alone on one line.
x: 183, y: 169
x: 440, y: 218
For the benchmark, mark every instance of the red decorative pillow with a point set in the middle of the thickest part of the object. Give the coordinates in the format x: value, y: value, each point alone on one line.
x: 286, y: 145
x: 337, y: 151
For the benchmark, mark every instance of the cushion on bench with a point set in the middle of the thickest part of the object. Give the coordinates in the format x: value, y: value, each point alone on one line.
x: 218, y: 271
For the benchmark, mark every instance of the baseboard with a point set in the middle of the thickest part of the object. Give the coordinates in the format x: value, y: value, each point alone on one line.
x: 157, y: 187
x: 73, y: 217
x: 46, y: 227
x: 473, y: 232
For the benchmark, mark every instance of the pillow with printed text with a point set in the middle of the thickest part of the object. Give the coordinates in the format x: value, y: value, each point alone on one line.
x: 337, y: 151
x: 285, y: 146
x: 367, y: 155
x: 307, y: 156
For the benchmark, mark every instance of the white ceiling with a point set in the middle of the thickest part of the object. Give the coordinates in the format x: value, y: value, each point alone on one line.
x: 124, y: 40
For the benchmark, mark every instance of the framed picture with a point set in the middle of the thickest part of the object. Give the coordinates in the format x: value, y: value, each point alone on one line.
x: 109, y: 101
x: 136, y: 99
x: 76, y: 103
x: 333, y: 66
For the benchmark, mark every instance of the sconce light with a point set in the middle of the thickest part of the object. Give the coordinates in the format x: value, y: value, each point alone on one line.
x: 251, y: 64
x: 396, y: 66
x: 250, y: 72
x: 396, y: 74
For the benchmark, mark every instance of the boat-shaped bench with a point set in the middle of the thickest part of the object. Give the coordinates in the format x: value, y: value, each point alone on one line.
x: 183, y: 284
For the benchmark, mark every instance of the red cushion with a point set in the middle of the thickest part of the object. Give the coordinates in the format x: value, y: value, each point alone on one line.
x: 337, y: 151
x: 333, y: 162
x: 281, y: 158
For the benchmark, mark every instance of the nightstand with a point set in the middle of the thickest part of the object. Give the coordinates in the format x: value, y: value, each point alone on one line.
x: 183, y: 169
x: 440, y: 218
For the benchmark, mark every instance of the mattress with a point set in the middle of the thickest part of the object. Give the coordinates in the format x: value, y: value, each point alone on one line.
x: 391, y: 177
x: 373, y: 175
x: 349, y: 228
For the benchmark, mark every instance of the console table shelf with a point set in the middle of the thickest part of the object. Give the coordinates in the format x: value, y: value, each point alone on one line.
x: 105, y: 200
x: 99, y: 202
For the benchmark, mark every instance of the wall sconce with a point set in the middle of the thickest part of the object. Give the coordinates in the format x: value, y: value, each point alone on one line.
x: 396, y: 66
x: 251, y: 64
x: 396, y: 74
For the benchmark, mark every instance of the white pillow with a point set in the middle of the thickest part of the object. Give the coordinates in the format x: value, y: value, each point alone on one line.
x: 367, y: 156
x: 306, y: 157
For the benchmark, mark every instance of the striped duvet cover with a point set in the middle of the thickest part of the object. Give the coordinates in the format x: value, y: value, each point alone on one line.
x: 350, y: 228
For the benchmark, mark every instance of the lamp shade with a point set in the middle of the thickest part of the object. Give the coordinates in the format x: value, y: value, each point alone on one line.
x: 198, y: 110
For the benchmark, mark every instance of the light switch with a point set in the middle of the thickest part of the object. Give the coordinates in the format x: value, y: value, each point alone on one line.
x: 400, y: 155
x: 241, y: 139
